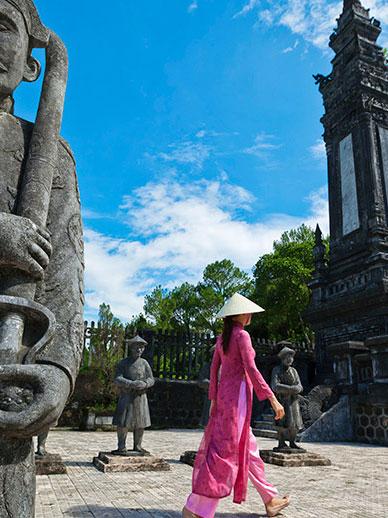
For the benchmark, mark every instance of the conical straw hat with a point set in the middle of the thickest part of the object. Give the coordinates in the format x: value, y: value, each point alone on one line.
x: 238, y: 305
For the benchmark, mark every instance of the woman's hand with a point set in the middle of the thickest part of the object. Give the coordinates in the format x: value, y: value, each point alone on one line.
x: 213, y: 408
x: 277, y: 408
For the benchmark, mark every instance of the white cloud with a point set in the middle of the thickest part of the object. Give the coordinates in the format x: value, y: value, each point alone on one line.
x: 187, y: 152
x: 262, y: 146
x: 179, y: 229
x: 291, y: 49
x: 247, y: 8
x: 192, y: 7
x: 313, y: 20
x: 211, y: 133
x: 319, y: 210
x: 318, y: 150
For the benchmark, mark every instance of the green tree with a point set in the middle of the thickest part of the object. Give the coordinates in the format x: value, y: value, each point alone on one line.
x: 191, y: 308
x: 281, y: 285
x: 186, y: 305
x: 106, y: 348
x: 159, y: 307
x: 221, y: 280
x: 225, y: 278
x: 138, y: 323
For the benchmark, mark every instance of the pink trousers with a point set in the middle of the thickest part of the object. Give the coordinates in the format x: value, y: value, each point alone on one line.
x: 206, y: 507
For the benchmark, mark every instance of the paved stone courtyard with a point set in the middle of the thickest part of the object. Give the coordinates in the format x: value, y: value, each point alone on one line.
x: 355, y: 486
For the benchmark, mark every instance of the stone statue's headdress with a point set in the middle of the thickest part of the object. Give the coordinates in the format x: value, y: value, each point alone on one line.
x: 285, y: 351
x: 136, y: 341
x: 39, y: 34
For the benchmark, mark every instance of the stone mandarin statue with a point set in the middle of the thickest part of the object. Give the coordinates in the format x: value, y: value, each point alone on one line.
x: 41, y: 255
x: 286, y: 385
x: 203, y: 383
x: 41, y: 446
x: 133, y: 378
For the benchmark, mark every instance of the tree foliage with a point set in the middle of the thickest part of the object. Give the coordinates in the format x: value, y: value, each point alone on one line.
x: 189, y: 307
x: 159, y: 307
x: 281, y: 285
x: 106, y: 348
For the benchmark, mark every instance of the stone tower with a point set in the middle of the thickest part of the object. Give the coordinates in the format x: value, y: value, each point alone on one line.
x: 350, y: 293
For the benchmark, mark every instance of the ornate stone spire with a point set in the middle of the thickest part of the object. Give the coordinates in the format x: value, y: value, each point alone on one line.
x: 319, y: 251
x: 349, y: 4
x: 354, y: 24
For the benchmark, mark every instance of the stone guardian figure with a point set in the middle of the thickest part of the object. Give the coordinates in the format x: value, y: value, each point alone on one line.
x: 286, y: 385
x: 203, y: 383
x: 41, y: 255
x: 133, y: 378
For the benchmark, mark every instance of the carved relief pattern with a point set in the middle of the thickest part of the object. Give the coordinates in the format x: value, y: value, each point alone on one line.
x: 74, y: 231
x: 75, y: 333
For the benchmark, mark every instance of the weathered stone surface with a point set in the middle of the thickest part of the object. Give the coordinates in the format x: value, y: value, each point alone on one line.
x: 349, y: 302
x: 313, y: 404
x: 133, y: 378
x: 294, y: 460
x: 41, y: 256
x: 108, y: 463
x: 333, y: 425
x: 285, y: 383
x: 350, y: 218
x: 50, y: 464
x: 350, y: 296
x: 17, y: 478
x: 188, y: 457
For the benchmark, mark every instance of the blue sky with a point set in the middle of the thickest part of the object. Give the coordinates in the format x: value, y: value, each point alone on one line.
x: 195, y: 126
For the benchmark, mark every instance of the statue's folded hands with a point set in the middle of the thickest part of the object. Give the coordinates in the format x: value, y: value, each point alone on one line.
x: 49, y: 389
x: 139, y: 385
x: 23, y: 245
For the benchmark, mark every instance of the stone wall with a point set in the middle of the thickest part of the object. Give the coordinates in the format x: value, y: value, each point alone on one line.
x: 334, y: 425
x: 370, y: 421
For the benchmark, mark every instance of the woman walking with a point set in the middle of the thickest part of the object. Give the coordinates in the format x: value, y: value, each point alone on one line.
x: 228, y: 453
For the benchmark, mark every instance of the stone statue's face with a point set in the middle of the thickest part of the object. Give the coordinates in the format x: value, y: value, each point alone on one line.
x: 288, y: 360
x: 14, y: 51
x: 137, y: 351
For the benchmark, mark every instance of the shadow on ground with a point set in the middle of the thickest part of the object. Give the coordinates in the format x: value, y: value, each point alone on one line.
x: 83, y: 511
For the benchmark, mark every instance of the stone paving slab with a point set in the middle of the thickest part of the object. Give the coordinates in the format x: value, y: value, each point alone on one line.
x: 354, y: 486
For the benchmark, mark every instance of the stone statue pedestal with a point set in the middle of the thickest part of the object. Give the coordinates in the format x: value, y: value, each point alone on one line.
x: 50, y: 464
x: 294, y: 459
x: 288, y: 450
x: 109, y: 462
x: 188, y: 457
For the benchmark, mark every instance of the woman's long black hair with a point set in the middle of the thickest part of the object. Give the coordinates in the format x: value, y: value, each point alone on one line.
x: 226, y: 333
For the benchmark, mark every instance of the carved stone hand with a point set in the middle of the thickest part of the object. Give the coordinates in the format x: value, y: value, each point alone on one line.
x: 140, y: 385
x: 48, y: 388
x: 23, y: 245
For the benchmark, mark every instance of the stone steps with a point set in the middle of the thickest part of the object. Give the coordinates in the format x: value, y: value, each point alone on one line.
x: 269, y: 434
x: 265, y: 427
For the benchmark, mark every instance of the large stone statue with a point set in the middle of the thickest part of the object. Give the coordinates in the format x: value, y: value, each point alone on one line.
x: 41, y: 255
x: 286, y: 385
x: 133, y: 378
